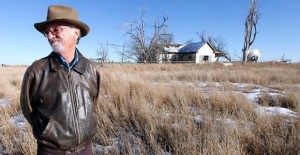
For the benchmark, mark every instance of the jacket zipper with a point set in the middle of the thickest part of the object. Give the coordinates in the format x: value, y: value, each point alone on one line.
x: 74, y: 106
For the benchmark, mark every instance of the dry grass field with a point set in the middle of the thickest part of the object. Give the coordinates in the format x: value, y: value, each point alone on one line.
x: 178, y: 109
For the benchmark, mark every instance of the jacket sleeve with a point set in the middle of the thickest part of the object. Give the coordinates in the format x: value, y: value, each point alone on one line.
x: 98, y: 85
x: 25, y: 96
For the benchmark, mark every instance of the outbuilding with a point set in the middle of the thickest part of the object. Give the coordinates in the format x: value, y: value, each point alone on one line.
x: 199, y: 52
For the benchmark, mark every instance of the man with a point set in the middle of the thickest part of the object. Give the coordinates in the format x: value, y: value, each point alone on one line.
x: 59, y: 92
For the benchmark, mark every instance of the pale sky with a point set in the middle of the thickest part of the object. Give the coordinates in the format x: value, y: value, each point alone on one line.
x: 279, y: 25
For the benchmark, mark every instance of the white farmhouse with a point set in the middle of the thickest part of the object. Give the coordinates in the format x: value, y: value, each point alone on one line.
x: 200, y: 52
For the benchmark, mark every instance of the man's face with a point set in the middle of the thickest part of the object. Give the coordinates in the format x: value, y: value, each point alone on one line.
x: 61, y: 36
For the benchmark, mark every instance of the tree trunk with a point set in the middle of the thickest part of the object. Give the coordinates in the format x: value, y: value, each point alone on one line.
x: 250, y: 24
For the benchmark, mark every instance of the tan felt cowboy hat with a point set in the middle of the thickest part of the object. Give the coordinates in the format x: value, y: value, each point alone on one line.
x: 59, y: 13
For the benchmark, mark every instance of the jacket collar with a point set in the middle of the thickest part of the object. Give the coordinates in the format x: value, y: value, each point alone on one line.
x: 56, y: 64
x: 72, y: 64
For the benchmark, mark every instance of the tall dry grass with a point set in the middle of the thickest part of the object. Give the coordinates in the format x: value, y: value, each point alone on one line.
x: 13, y: 139
x: 151, y: 109
x: 164, y: 108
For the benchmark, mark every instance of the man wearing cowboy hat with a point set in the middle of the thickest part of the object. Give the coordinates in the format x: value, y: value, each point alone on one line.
x: 59, y: 92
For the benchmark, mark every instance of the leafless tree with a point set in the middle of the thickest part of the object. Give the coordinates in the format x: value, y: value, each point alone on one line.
x: 189, y: 41
x: 142, y: 47
x: 218, y: 43
x: 165, y: 37
x: 250, y: 28
x: 102, y: 53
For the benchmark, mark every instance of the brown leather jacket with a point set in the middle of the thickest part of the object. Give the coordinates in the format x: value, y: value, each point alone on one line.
x: 60, y: 104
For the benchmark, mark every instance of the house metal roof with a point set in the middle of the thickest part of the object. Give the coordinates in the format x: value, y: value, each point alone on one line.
x: 184, y: 48
x: 193, y: 47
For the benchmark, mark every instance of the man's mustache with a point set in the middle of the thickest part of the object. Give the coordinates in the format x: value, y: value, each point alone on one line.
x: 54, y: 39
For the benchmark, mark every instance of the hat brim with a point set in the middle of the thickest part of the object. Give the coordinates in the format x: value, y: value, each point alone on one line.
x: 84, y: 28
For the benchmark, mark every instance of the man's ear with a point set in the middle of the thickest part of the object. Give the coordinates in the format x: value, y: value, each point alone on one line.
x: 77, y: 32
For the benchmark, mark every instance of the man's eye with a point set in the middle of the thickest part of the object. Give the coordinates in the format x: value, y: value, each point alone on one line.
x: 56, y: 30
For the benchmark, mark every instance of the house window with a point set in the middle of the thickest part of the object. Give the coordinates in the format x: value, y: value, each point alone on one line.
x: 190, y: 58
x: 205, y: 58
